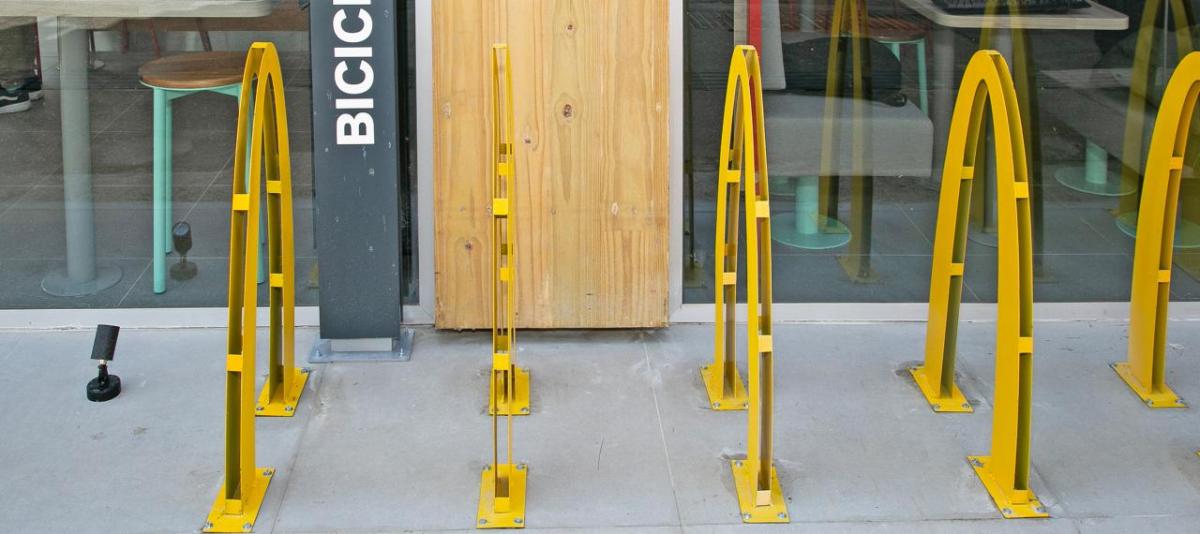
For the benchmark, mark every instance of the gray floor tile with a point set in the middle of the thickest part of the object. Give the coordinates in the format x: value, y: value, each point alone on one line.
x: 592, y: 443
x: 620, y: 439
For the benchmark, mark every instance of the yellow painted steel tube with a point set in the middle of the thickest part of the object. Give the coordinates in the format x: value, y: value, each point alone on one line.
x: 744, y: 156
x: 502, y: 488
x: 1144, y: 370
x: 987, y: 84
x: 1151, y: 281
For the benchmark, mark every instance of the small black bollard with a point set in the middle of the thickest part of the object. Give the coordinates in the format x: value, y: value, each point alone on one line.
x: 104, y: 387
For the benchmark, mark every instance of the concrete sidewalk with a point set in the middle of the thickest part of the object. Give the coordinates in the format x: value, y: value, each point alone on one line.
x: 620, y: 436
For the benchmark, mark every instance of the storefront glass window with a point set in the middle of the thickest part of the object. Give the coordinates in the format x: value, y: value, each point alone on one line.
x: 86, y: 96
x: 854, y: 221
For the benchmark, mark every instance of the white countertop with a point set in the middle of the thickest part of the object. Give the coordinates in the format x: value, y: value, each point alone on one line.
x: 134, y: 8
x: 1096, y: 17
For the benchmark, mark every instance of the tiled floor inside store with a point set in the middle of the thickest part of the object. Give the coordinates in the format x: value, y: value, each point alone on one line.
x: 620, y: 437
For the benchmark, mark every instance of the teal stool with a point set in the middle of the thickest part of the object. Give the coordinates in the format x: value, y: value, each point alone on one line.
x: 894, y: 43
x: 171, y: 78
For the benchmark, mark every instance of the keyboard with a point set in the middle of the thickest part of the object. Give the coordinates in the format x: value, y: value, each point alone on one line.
x: 979, y: 7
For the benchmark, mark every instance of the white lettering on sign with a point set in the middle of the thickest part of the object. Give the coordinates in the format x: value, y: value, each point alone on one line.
x: 354, y: 78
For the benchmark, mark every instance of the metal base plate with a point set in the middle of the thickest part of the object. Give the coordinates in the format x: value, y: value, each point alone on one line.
x: 831, y: 233
x: 219, y: 521
x: 1162, y: 399
x: 402, y: 348
x: 515, y: 516
x: 285, y: 407
x: 1010, y: 510
x: 955, y: 403
x: 744, y: 482
x: 57, y: 282
x: 1187, y: 233
x: 714, y: 383
x: 1075, y: 178
x: 520, y: 404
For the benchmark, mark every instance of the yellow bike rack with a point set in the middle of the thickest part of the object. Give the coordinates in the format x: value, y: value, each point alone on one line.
x: 509, y: 387
x: 1151, y: 287
x: 241, y: 495
x: 502, y: 487
x: 1005, y: 473
x: 744, y: 154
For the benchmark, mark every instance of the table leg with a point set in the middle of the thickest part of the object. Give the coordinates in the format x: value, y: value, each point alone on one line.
x: 807, y: 12
x: 857, y: 260
x: 944, y: 83
x: 806, y: 227
x: 82, y: 277
x: 1094, y: 177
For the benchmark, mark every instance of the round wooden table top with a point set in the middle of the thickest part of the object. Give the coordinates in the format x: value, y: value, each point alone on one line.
x: 194, y: 70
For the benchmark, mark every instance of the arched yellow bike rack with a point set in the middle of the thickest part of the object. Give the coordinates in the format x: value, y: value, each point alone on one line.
x: 744, y: 155
x: 1005, y: 473
x: 1150, y: 293
x: 502, y: 487
x: 240, y: 497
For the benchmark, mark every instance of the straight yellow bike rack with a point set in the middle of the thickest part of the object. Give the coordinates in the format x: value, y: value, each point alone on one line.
x: 241, y: 495
x: 744, y: 154
x: 1005, y: 473
x: 1151, y: 286
x: 502, y: 487
x: 509, y: 387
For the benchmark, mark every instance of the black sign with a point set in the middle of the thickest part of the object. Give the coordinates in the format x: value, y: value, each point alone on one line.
x: 358, y: 164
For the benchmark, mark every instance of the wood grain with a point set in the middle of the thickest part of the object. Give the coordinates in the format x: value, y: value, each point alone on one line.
x: 590, y: 85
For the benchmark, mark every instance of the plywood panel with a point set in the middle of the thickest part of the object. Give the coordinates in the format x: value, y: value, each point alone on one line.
x: 591, y: 109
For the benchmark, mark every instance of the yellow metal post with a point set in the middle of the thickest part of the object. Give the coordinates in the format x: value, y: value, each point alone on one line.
x: 1151, y: 282
x: 988, y: 84
x: 744, y: 156
x: 237, y: 503
x: 502, y: 487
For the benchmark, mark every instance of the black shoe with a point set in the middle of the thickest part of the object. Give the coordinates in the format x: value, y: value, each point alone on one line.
x: 13, y: 101
x: 32, y: 85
